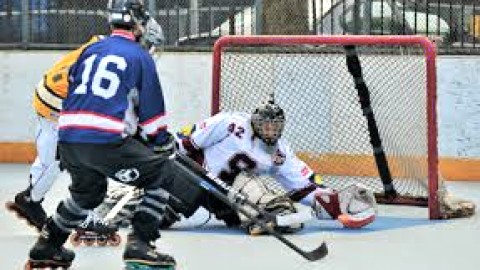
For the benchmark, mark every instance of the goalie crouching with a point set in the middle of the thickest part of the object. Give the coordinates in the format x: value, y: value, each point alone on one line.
x: 240, y: 148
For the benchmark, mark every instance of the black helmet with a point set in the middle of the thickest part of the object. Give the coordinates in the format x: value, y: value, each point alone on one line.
x: 268, y: 121
x: 126, y: 13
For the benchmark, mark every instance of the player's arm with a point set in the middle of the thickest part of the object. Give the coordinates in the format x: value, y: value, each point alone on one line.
x: 152, y: 117
x: 195, y: 138
x: 353, y: 206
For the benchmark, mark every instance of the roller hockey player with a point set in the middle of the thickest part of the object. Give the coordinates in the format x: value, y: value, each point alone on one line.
x: 233, y: 144
x: 242, y: 149
x: 47, y: 102
x: 113, y: 91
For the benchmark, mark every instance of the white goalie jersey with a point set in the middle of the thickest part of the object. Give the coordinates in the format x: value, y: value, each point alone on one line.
x: 226, y: 145
x: 229, y: 147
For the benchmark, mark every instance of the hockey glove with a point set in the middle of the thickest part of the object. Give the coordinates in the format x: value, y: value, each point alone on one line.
x: 353, y: 206
x: 167, y: 148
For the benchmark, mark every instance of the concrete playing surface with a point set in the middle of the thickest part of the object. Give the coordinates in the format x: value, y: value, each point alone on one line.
x: 401, y: 238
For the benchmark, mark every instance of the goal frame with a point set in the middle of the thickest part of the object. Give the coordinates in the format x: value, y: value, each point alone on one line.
x: 429, y: 49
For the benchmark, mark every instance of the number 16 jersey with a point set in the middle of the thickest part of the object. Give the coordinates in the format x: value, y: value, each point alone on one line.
x: 114, y: 89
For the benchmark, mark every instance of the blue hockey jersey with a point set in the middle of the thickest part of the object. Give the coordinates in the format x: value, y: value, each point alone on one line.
x: 113, y: 90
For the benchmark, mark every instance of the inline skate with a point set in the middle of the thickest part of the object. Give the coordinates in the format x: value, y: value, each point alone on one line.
x: 28, y: 210
x: 95, y: 230
x: 141, y: 255
x: 48, y: 252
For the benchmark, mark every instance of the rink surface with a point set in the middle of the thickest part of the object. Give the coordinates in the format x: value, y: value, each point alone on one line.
x: 401, y: 238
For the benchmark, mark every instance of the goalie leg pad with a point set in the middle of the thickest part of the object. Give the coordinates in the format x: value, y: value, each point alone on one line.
x: 185, y: 197
x: 221, y: 211
x: 271, y: 202
x: 453, y: 207
x: 278, y: 206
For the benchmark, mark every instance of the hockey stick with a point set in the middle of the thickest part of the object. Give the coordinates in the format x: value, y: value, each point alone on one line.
x: 222, y: 191
x: 120, y: 204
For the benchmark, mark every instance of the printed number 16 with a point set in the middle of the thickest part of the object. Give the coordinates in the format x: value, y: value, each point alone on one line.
x: 101, y: 74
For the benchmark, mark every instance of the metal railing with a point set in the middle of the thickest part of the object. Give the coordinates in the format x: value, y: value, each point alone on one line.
x: 455, y: 24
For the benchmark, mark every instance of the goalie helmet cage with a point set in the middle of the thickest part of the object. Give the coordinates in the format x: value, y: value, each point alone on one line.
x: 338, y: 93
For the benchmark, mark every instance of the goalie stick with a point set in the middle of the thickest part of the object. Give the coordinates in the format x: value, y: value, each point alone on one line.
x: 280, y: 220
x: 222, y: 191
x: 120, y: 204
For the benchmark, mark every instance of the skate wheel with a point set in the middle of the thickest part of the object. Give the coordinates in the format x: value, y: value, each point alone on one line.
x: 102, y: 242
x: 89, y: 242
x: 75, y: 239
x: 115, y: 240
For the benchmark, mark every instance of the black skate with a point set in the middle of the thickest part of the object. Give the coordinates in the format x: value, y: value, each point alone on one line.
x: 140, y: 255
x: 95, y: 230
x: 45, y: 255
x: 25, y: 208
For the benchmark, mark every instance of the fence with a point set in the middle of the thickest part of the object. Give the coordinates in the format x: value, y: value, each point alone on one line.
x: 198, y: 23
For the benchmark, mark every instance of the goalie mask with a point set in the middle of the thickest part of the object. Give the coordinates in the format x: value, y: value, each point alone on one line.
x: 268, y: 121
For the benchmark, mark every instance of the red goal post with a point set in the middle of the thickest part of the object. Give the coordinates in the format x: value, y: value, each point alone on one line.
x: 251, y: 61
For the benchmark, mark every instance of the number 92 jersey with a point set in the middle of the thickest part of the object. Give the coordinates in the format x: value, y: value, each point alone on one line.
x: 114, y: 88
x: 229, y: 147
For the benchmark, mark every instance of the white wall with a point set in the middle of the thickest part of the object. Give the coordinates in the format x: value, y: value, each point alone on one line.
x: 186, y: 79
x: 459, y: 105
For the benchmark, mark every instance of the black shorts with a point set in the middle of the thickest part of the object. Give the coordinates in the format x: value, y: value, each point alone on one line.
x: 129, y: 162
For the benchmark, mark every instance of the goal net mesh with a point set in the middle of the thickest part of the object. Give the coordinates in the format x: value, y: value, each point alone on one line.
x: 326, y: 125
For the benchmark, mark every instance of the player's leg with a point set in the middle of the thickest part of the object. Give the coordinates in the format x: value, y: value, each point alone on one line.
x: 86, y: 192
x: 45, y: 169
x: 149, y: 172
x: 115, y: 194
x: 166, y: 195
x: 43, y: 172
x: 132, y: 163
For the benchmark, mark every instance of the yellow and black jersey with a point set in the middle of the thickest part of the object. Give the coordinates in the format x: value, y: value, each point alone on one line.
x: 53, y: 87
